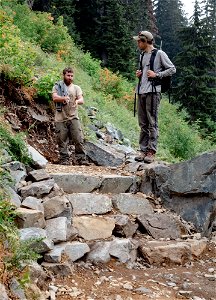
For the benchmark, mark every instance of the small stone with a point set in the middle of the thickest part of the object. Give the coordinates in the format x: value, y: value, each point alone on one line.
x: 211, y: 277
x: 142, y: 290
x: 185, y: 294
x: 172, y: 284
x: 128, y: 286
x: 211, y: 270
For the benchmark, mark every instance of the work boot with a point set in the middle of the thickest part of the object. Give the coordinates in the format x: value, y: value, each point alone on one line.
x: 150, y: 156
x: 82, y: 160
x: 64, y: 161
x: 140, y: 157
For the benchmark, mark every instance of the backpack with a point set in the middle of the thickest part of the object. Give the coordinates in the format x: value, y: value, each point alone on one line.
x: 165, y: 82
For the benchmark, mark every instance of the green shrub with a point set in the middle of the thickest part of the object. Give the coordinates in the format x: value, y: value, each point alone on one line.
x: 18, y: 54
x: 14, y: 144
x: 38, y: 27
x: 19, y: 251
x: 90, y: 64
x: 182, y: 141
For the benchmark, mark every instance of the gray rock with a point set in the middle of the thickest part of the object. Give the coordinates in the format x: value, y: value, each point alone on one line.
x: 17, y: 171
x: 33, y: 203
x: 76, y: 250
x: 142, y: 290
x: 5, y: 156
x: 116, y: 184
x: 104, y: 155
x: 37, y: 274
x: 40, y: 243
x: 38, y: 175
x: 162, y: 225
x: 77, y: 183
x: 14, y: 198
x: 57, y: 207
x: 37, y: 189
x: 39, y: 161
x: 99, y: 252
x: 198, y: 210
x: 60, y: 269
x: 132, y: 204
x: 29, y: 218
x: 32, y: 233
x: 54, y: 256
x: 123, y: 249
x: 189, y: 187
x: 3, y: 293
x: 16, y: 289
x: 84, y: 203
x: 57, y: 229
x: 124, y: 226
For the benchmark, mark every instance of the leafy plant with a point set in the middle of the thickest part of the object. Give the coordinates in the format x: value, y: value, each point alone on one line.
x: 14, y: 144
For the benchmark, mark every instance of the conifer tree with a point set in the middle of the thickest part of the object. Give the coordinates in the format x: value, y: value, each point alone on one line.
x: 196, y: 89
x: 170, y: 19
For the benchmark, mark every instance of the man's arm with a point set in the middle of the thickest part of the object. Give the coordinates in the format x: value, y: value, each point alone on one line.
x: 79, y: 100
x: 62, y: 99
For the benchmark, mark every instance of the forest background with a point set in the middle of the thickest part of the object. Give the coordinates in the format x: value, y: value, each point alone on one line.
x: 39, y: 37
x: 104, y: 28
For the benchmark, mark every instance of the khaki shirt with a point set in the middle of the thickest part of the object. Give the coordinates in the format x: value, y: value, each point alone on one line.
x: 70, y: 110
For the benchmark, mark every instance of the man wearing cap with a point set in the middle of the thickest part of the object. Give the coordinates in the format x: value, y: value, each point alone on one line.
x: 149, y: 98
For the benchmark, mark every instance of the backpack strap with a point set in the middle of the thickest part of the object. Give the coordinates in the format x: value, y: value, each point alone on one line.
x: 152, y: 58
x: 151, y: 67
x: 139, y: 82
x: 140, y: 68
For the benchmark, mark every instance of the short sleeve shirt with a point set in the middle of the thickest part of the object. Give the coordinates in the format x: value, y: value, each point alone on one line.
x: 70, y: 110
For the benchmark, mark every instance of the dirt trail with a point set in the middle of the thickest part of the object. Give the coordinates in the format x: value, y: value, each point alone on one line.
x: 116, y: 281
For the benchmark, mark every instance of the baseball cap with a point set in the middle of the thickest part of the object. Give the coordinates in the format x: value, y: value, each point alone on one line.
x: 143, y: 34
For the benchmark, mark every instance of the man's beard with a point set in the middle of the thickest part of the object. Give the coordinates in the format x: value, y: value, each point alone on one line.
x: 67, y: 82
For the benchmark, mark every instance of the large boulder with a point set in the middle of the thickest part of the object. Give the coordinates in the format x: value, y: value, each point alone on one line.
x: 188, y: 188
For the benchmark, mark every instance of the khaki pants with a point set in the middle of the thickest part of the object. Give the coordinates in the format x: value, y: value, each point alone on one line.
x: 66, y: 131
x: 148, y: 105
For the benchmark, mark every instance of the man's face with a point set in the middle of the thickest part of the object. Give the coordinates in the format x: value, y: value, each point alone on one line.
x: 68, y: 78
x: 142, y: 44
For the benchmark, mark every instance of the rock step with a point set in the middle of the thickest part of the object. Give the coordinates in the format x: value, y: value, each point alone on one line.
x: 124, y: 203
x: 86, y: 183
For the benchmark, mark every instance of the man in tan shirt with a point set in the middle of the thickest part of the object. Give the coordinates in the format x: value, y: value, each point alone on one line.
x: 67, y: 96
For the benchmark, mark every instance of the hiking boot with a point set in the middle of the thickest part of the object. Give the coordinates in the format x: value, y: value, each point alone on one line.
x: 150, y: 156
x: 64, y: 161
x: 82, y: 160
x: 141, y: 156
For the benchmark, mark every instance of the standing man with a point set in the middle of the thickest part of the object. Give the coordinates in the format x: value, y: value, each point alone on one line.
x: 149, y: 95
x: 67, y: 96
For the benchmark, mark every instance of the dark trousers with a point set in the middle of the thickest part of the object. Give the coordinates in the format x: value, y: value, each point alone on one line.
x: 69, y: 131
x: 148, y: 105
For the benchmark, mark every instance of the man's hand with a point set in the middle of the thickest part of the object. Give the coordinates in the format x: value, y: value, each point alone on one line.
x: 67, y: 100
x: 138, y: 73
x: 151, y: 74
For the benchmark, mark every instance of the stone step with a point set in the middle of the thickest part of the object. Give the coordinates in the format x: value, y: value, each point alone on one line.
x: 87, y: 183
x: 123, y: 203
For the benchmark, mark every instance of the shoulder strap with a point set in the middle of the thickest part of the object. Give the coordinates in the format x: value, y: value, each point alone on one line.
x: 154, y: 52
x: 141, y: 60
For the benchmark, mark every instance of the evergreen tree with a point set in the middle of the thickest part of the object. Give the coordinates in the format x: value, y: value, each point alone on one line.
x: 170, y: 19
x: 196, y: 89
x: 109, y: 36
x: 210, y: 16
